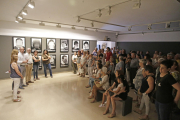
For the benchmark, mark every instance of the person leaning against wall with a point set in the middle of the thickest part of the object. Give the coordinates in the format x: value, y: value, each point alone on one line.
x: 15, y: 74
x: 29, y: 66
x: 46, y: 62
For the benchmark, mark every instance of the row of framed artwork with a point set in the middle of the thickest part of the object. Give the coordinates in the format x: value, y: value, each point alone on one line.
x: 36, y: 44
x: 64, y: 61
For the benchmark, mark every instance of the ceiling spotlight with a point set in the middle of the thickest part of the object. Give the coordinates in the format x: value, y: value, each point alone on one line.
x: 17, y: 20
x: 20, y: 17
x: 42, y: 24
x: 168, y: 25
x: 96, y: 30
x: 117, y: 33
x: 73, y: 27
x: 24, y: 12
x: 58, y: 26
x: 142, y: 33
x: 31, y: 4
x: 149, y: 26
x: 137, y: 5
x: 99, y: 14
x: 92, y: 24
x: 85, y: 29
x: 109, y: 11
x: 129, y: 29
x: 79, y: 19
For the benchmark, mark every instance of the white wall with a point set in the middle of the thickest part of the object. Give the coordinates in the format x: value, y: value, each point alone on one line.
x: 150, y: 37
x: 34, y: 30
x: 109, y: 43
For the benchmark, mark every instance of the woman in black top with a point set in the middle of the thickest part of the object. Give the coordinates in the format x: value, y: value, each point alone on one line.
x: 146, y: 89
x: 164, y: 86
x: 36, y: 60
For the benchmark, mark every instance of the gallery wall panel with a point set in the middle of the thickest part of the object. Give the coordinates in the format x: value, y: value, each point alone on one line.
x: 6, y: 48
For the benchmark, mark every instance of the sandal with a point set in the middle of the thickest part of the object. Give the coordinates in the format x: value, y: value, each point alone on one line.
x: 93, y: 101
x: 18, y: 96
x: 137, y: 111
x: 16, y: 100
x: 112, y: 115
x: 87, y: 86
x: 18, y: 92
x: 106, y: 112
x: 90, y: 97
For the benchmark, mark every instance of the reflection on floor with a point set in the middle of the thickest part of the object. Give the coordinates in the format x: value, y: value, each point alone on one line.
x: 63, y: 97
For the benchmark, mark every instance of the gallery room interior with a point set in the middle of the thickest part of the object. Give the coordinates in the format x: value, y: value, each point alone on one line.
x: 74, y: 59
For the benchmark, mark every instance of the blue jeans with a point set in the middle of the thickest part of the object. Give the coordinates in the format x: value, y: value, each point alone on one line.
x: 49, y: 67
x: 91, y: 82
x: 163, y: 110
x: 35, y: 73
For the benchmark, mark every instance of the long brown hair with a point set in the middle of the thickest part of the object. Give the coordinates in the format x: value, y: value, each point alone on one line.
x: 13, y: 58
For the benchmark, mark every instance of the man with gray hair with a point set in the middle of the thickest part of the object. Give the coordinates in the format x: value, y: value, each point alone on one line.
x: 29, y: 66
x: 22, y: 62
x: 120, y: 64
x: 169, y: 56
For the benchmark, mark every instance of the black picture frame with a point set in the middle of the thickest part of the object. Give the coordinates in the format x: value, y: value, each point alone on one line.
x: 86, y: 45
x: 51, y: 45
x: 53, y: 61
x: 74, y: 47
x: 64, y: 48
x: 62, y: 63
x: 14, y: 42
x: 38, y: 46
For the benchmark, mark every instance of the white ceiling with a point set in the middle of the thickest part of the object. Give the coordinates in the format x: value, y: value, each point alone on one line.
x: 65, y: 11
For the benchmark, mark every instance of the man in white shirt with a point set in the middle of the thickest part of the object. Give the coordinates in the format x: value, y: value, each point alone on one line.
x: 29, y: 66
x: 22, y: 62
x: 74, y: 60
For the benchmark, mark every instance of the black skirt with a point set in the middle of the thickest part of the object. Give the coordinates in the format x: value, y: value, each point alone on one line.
x: 123, y: 96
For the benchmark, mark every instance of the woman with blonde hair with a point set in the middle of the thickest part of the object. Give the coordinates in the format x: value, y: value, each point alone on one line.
x: 15, y: 74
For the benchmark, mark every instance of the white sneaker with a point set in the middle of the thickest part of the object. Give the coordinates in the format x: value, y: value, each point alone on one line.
x: 102, y: 105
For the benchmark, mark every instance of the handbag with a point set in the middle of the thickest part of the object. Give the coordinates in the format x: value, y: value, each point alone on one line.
x: 97, y: 84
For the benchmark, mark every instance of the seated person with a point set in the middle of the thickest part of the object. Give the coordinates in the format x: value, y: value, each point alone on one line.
x: 111, y: 75
x: 98, y: 76
x: 119, y: 94
x: 100, y: 85
x: 114, y: 86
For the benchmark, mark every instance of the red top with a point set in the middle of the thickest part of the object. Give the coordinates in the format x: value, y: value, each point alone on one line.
x: 108, y: 54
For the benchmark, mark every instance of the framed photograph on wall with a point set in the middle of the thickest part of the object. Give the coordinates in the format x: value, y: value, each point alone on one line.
x: 53, y: 61
x: 51, y: 45
x: 36, y: 44
x: 64, y: 43
x: 75, y: 45
x: 64, y: 60
x: 86, y: 44
x: 18, y: 42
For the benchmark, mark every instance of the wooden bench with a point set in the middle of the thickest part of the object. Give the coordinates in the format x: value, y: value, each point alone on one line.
x: 126, y: 106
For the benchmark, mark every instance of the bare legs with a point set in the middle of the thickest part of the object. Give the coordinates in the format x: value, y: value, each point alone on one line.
x: 94, y: 93
x: 108, y: 104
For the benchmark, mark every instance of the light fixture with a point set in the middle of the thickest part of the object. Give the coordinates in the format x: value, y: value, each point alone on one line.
x: 137, y: 5
x: 96, y: 30
x: 149, y: 26
x: 109, y: 11
x: 58, y: 26
x: 20, y: 17
x: 17, y: 20
x: 85, y: 29
x: 31, y: 4
x: 42, y: 24
x: 142, y: 33
x: 24, y: 12
x: 99, y: 14
x: 129, y: 29
x: 168, y: 25
x: 79, y: 19
x: 73, y: 27
x: 92, y: 24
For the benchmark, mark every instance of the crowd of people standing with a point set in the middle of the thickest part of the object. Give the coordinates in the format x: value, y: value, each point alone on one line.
x: 155, y: 78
